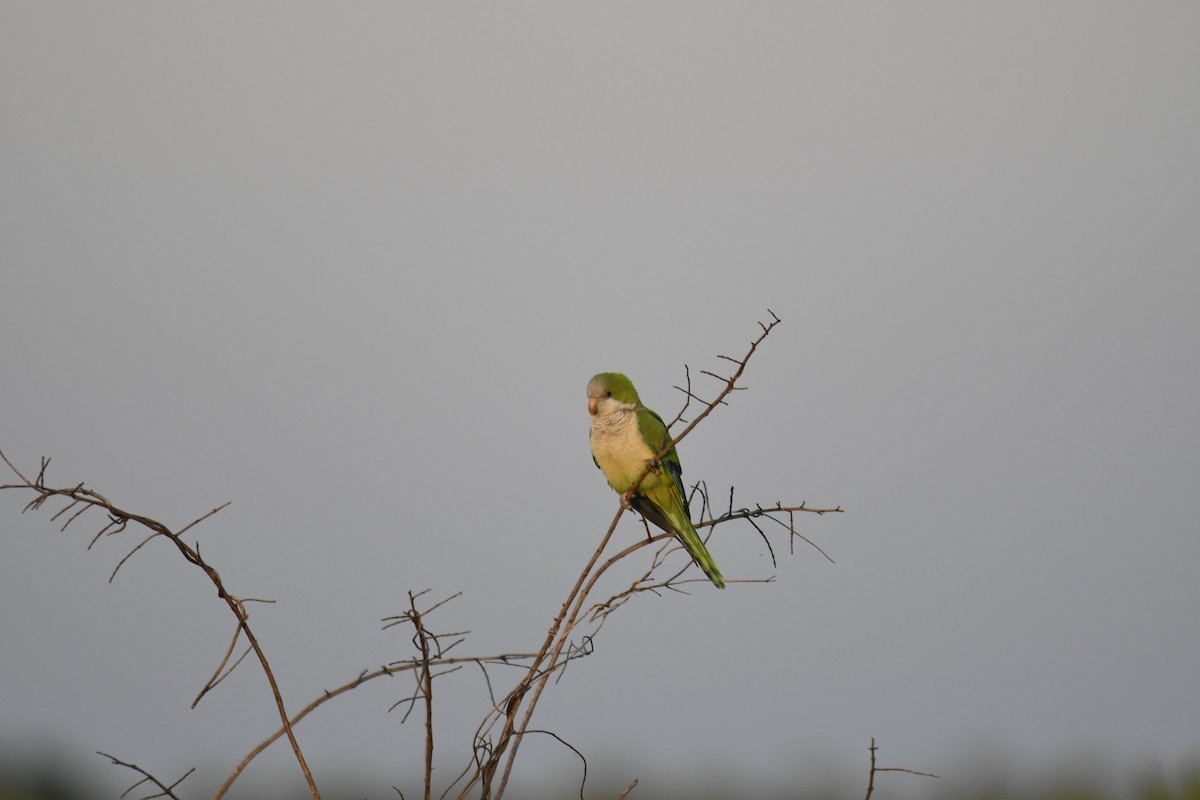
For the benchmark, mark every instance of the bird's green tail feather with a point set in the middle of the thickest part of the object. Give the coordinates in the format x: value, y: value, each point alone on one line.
x: 692, y: 542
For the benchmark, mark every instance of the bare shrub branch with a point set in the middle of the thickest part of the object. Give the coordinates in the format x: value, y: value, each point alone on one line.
x: 514, y: 712
x: 165, y: 790
x: 118, y: 519
x: 875, y: 769
x: 571, y: 635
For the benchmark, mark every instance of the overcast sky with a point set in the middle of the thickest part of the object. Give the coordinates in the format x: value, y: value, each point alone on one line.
x: 350, y: 267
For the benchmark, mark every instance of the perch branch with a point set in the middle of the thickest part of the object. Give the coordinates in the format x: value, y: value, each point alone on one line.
x: 566, y: 622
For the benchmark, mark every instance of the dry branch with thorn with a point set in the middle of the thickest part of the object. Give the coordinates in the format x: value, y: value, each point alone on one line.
x: 509, y: 716
x: 875, y: 769
x: 571, y: 635
x: 93, y: 499
x: 164, y: 789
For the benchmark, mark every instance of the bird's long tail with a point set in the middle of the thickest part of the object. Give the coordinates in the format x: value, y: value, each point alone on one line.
x: 681, y: 523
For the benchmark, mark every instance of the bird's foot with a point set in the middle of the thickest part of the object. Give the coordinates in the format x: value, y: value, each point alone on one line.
x: 627, y: 501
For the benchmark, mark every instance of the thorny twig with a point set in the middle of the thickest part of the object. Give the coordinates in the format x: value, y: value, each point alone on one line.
x: 752, y: 514
x: 549, y: 659
x: 875, y: 769
x: 558, y: 649
x: 687, y: 374
x: 118, y: 518
x: 504, y: 659
x: 729, y: 388
x: 166, y: 791
x: 421, y: 639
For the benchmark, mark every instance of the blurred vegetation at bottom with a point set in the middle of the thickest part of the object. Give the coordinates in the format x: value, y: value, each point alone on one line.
x: 48, y: 780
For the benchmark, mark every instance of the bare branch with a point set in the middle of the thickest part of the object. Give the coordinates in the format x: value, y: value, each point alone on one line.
x: 528, y: 691
x: 569, y: 746
x: 217, y: 676
x: 875, y: 769
x: 503, y: 659
x: 730, y: 385
x: 203, y: 517
x: 166, y: 791
x: 116, y: 523
x: 426, y: 685
x: 687, y: 373
x: 751, y: 514
x: 571, y: 635
x: 90, y: 498
x: 128, y: 555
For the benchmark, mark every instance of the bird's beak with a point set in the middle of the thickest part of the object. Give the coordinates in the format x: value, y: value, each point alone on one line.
x: 593, y: 406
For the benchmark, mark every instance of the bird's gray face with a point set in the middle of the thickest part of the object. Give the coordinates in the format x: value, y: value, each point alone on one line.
x: 596, y: 391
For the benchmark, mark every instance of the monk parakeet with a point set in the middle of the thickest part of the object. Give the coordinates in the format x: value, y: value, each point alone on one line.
x: 625, y: 437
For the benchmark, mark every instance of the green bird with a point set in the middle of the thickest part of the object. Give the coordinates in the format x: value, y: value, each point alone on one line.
x: 626, y: 436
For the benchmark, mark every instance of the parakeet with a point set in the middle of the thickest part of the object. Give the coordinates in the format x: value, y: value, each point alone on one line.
x: 625, y: 437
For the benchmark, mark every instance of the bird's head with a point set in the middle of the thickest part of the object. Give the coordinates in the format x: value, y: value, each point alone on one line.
x: 608, y: 390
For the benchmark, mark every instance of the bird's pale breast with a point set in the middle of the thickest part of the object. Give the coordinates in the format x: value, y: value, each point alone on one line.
x: 620, y: 449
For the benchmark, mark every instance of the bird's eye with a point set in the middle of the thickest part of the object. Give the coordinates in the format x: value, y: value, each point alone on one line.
x: 608, y: 394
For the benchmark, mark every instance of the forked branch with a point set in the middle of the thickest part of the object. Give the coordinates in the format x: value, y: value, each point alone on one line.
x: 118, y: 519
x: 163, y: 789
x: 875, y: 769
x: 514, y: 713
x: 498, y: 737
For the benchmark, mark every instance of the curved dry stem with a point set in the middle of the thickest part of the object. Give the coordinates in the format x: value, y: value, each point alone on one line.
x: 90, y: 498
x: 514, y: 698
x: 504, y: 659
x: 164, y: 789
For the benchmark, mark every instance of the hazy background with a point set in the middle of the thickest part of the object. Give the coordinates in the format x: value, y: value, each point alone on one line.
x: 351, y: 267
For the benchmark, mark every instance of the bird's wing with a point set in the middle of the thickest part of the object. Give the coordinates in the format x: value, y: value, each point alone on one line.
x: 655, y: 432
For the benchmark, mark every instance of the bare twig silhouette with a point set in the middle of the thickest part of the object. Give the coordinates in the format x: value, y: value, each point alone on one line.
x: 875, y: 769
x: 513, y: 714
x: 421, y: 639
x: 504, y: 659
x: 118, y: 520
x: 164, y: 789
x: 497, y: 738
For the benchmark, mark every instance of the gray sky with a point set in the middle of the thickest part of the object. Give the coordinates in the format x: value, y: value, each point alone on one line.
x: 351, y: 267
